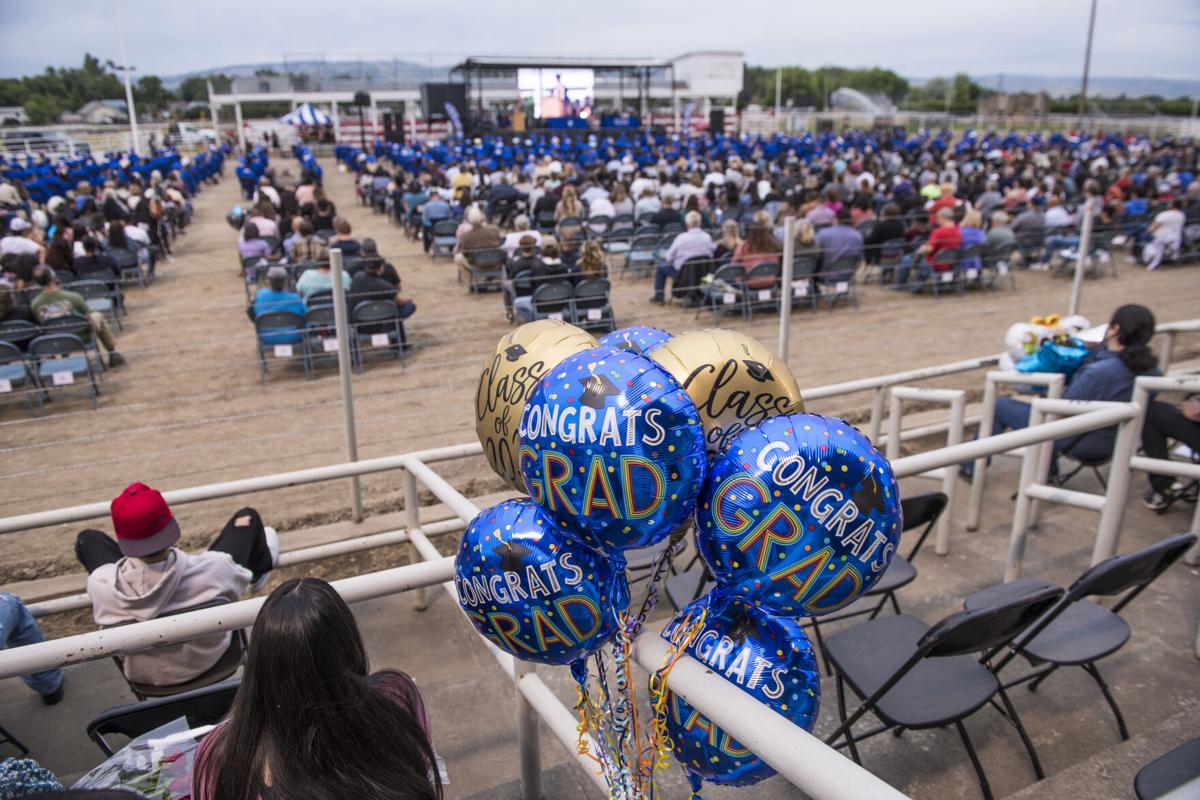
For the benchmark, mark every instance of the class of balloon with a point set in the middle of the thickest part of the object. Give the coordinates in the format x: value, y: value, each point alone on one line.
x: 633, y: 442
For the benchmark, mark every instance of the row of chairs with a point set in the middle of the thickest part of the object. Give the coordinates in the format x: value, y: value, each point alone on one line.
x: 376, y: 325
x: 733, y: 289
x: 585, y: 304
x: 56, y: 354
x: 910, y: 675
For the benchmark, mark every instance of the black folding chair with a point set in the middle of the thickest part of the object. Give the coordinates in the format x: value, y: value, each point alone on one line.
x: 485, y: 268
x: 377, y: 324
x: 320, y: 332
x: 920, y: 511
x: 1078, y: 632
x: 18, y: 332
x: 762, y: 287
x: 225, y: 666
x: 1169, y: 772
x: 16, y: 373
x: 912, y: 675
x: 591, y: 307
x: 803, y: 290
x: 840, y: 279
x: 60, y: 359
x: 552, y: 300
x: 205, y: 706
x: 725, y: 293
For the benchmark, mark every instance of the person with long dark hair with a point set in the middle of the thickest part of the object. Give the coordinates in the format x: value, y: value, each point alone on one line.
x: 310, y: 722
x: 1107, y: 374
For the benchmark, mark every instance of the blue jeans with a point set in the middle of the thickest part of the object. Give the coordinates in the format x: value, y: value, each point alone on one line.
x: 17, y: 628
x: 905, y: 268
x: 1056, y: 243
x: 661, y: 273
x: 1012, y: 415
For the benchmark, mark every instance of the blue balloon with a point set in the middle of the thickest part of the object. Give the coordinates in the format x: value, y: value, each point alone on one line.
x: 612, y: 448
x: 768, y: 658
x: 640, y: 339
x: 531, y: 590
x: 801, y: 515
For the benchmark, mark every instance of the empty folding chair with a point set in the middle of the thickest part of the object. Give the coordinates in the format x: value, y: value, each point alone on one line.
x: 320, y: 333
x: 998, y: 266
x: 62, y: 359
x: 377, y: 324
x: 890, y: 254
x: 618, y: 240
x: 640, y: 258
x: 919, y: 512
x: 18, y: 375
x: 281, y: 333
x: 1177, y: 769
x: 18, y: 332
x: 205, y: 706
x: 546, y: 222
x: 76, y: 325
x: 591, y: 307
x: 1077, y: 631
x: 918, y: 676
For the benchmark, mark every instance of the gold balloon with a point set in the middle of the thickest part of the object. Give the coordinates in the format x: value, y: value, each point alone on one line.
x: 521, y: 358
x: 734, y: 380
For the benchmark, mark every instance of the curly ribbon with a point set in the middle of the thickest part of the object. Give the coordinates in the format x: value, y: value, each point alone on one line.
x: 680, y: 639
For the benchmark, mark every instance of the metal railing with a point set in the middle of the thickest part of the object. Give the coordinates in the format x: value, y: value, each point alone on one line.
x: 822, y: 772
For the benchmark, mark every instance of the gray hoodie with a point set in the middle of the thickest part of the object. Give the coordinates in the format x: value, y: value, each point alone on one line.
x: 133, y: 590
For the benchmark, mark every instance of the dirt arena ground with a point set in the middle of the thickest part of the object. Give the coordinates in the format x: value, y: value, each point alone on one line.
x: 188, y: 409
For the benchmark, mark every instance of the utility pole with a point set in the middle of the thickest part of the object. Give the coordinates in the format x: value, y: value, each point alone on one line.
x: 778, y: 97
x: 133, y: 126
x: 1087, y: 62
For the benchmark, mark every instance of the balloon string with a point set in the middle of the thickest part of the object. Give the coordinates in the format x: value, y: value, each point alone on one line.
x: 661, y: 564
x: 681, y: 638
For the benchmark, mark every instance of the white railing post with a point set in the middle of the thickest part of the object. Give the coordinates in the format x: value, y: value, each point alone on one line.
x: 1054, y: 384
x: 528, y: 737
x: 785, y: 286
x: 1108, y: 535
x: 1020, y: 522
x: 345, y: 367
x: 1164, y: 356
x: 412, y: 515
x: 877, y: 402
x: 958, y: 410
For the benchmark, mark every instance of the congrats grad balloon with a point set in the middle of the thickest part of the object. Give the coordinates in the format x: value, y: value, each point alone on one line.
x: 612, y: 448
x: 519, y: 361
x: 800, y: 515
x: 768, y: 658
x: 733, y: 379
x: 532, y: 591
x: 641, y: 339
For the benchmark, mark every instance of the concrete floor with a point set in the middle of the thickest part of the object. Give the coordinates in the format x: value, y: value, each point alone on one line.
x: 1155, y: 679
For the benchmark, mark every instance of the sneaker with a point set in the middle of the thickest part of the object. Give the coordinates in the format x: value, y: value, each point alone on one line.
x: 272, y: 537
x: 54, y: 697
x: 657, y: 301
x: 1155, y: 501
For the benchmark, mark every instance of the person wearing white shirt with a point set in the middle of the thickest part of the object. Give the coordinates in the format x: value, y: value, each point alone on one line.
x: 513, y: 240
x: 136, y: 234
x: 1057, y: 217
x: 670, y: 192
x: 646, y: 205
x: 1166, y: 234
x: 641, y: 184
x: 20, y: 240
x: 593, y: 193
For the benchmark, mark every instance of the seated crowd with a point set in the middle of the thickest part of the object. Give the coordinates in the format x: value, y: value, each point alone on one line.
x: 297, y: 274
x: 920, y: 199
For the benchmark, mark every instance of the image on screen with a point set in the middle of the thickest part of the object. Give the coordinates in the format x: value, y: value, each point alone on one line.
x: 557, y: 92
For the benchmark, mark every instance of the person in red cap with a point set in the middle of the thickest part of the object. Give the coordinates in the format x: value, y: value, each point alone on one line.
x: 142, y: 575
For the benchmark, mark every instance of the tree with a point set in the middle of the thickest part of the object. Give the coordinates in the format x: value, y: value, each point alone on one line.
x: 43, y: 109
x: 150, y: 93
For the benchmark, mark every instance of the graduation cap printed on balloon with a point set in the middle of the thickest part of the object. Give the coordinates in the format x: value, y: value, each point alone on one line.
x: 640, y: 339
x: 612, y: 448
x: 512, y: 370
x: 801, y: 515
x: 768, y: 657
x: 734, y: 380
x: 533, y: 591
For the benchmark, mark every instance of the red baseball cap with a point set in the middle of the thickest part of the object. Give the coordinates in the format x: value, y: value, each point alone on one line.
x: 143, y: 521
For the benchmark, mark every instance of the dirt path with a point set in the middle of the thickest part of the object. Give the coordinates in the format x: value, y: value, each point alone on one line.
x: 188, y: 409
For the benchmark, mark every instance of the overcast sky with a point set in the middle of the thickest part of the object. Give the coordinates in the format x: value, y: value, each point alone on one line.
x: 1156, y: 38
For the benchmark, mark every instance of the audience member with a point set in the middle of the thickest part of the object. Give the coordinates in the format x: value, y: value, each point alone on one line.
x: 839, y: 241
x: 1166, y: 232
x: 307, y: 247
x: 1165, y: 421
x: 479, y: 236
x: 343, y: 240
x: 143, y: 575
x: 277, y: 297
x: 319, y: 280
x: 513, y: 240
x: 310, y: 720
x: 18, y: 628
x: 946, y: 236
x: 53, y: 302
x: 694, y: 242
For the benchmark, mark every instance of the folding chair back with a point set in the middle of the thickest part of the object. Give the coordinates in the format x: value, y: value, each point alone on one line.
x: 672, y: 227
x: 991, y: 626
x: 599, y: 224
x: 921, y: 511
x: 1130, y: 572
x: 18, y: 332
x: 278, y: 322
x: 592, y: 307
x: 320, y: 319
x: 552, y: 299
x: 489, y: 260
x: 891, y: 251
x: 205, y: 706
x: 52, y: 345
x: 91, y: 289
x: 375, y: 311
x: 69, y: 323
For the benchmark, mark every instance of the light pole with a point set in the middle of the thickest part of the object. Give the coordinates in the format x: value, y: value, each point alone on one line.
x: 1087, y: 62
x: 133, y: 126
x: 362, y: 99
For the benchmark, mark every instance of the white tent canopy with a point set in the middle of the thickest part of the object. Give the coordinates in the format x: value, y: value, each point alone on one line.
x: 305, y: 114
